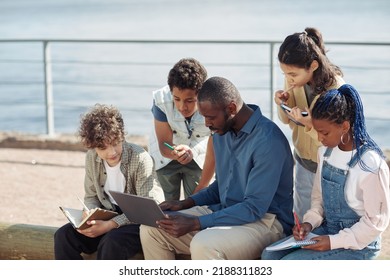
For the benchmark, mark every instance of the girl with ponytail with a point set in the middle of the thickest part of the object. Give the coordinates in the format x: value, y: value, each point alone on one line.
x: 308, y: 74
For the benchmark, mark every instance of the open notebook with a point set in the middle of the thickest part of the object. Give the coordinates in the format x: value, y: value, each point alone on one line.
x: 75, y: 216
x: 290, y: 243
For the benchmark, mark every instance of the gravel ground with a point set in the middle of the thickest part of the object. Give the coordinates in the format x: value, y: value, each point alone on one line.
x: 36, y: 182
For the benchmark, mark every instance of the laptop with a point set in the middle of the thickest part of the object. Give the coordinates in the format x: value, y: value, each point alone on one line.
x: 140, y: 210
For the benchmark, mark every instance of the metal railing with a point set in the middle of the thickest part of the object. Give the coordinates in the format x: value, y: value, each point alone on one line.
x: 271, y: 64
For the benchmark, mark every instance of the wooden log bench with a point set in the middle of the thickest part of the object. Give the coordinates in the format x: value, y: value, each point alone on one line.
x: 35, y: 242
x: 26, y: 242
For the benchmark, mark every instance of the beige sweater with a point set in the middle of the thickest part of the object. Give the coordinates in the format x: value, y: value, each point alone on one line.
x: 305, y: 140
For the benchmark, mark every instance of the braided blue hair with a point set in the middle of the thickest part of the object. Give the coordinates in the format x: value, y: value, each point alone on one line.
x: 344, y: 104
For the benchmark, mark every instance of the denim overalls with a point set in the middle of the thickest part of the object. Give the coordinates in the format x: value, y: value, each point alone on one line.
x: 338, y: 215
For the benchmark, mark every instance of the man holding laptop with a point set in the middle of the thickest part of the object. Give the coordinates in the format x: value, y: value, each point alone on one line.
x: 249, y: 205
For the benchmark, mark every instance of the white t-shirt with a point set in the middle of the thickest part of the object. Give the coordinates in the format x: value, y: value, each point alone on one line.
x: 115, y: 180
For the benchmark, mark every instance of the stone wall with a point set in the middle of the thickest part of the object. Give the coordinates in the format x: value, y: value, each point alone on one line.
x: 67, y: 142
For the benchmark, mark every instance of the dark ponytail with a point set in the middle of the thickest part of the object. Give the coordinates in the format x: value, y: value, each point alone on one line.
x: 301, y: 49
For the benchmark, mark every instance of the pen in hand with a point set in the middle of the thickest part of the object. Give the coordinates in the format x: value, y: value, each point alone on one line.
x: 86, y: 209
x: 285, y: 95
x: 297, y: 223
x: 169, y: 146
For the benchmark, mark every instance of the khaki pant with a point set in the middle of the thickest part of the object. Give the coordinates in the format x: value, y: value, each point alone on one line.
x: 244, y: 242
x: 172, y: 176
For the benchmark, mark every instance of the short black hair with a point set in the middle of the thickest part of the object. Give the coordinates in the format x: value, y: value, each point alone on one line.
x: 219, y: 91
x: 187, y: 73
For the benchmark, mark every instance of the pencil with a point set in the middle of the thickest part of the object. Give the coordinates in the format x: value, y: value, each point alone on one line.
x: 297, y: 222
x: 84, y: 206
x: 286, y: 91
x: 290, y: 88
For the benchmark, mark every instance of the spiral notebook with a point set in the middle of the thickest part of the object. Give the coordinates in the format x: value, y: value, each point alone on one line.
x: 292, y: 243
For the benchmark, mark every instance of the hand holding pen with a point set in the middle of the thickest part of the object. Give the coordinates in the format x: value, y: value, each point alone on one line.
x: 85, y: 208
x: 182, y: 153
x: 300, y: 230
x: 281, y: 96
x: 174, y: 152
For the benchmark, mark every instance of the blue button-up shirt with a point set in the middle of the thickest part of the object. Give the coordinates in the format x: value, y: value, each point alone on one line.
x: 254, y: 175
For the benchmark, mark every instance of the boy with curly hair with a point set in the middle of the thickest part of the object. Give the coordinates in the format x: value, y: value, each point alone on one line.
x: 111, y: 164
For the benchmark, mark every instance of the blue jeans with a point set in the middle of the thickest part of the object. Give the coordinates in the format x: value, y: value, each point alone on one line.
x: 338, y: 215
x: 368, y: 253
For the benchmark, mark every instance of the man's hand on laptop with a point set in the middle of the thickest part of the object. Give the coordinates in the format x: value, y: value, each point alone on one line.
x: 176, y: 205
x: 177, y: 225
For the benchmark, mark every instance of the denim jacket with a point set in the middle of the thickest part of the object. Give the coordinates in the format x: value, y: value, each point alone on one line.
x: 194, y: 136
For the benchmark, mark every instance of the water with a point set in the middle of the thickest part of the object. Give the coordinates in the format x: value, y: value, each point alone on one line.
x: 125, y: 75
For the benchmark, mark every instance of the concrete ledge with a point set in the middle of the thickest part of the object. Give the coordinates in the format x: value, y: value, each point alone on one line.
x: 67, y: 142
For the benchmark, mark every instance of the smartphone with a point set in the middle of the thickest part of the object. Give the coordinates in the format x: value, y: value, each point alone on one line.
x: 288, y: 109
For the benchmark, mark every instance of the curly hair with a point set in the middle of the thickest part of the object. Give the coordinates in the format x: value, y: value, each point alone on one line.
x: 101, y: 126
x: 301, y: 49
x: 187, y: 73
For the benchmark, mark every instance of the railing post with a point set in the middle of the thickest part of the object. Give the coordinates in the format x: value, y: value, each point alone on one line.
x: 271, y: 79
x: 48, y: 89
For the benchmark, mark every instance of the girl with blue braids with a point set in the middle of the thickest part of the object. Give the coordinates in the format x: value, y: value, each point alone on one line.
x: 350, y: 199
